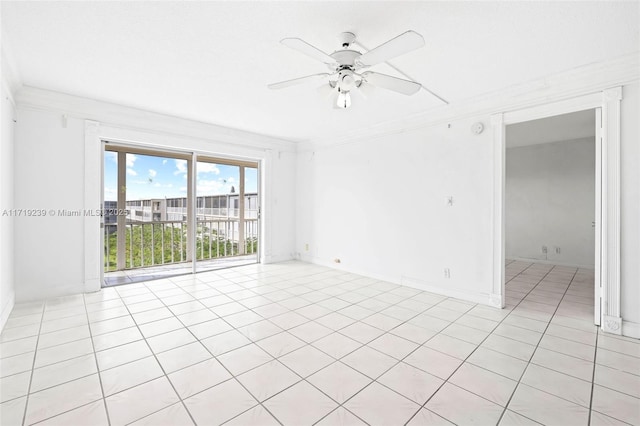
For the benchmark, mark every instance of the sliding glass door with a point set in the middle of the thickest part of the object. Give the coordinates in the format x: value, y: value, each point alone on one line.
x: 227, y: 211
x: 170, y: 213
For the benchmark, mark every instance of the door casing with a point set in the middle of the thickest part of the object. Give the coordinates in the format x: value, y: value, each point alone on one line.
x: 607, y: 285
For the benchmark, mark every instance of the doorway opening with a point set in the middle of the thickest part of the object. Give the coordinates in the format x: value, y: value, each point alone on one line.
x: 174, y: 213
x: 607, y: 223
x: 551, y: 204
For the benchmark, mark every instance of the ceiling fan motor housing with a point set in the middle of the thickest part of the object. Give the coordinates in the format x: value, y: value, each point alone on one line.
x: 346, y: 67
x: 346, y: 57
x: 346, y: 39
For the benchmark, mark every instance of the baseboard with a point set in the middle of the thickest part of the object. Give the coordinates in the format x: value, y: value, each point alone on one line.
x: 631, y: 329
x: 93, y: 285
x: 341, y: 267
x: 276, y: 258
x: 549, y: 262
x: 462, y: 294
x: 6, y: 310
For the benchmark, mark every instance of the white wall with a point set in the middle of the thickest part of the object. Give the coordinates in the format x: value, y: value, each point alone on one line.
x: 7, y: 282
x: 50, y: 174
x: 630, y: 210
x: 379, y: 204
x: 550, y: 201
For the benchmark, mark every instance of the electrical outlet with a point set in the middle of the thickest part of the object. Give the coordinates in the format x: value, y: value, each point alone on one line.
x: 544, y: 249
x: 447, y: 273
x: 306, y: 247
x: 557, y: 250
x: 336, y: 260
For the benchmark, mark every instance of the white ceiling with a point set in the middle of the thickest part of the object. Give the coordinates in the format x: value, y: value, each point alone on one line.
x: 211, y: 61
x: 565, y: 127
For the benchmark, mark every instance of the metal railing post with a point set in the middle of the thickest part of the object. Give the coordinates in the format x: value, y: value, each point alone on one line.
x: 153, y: 245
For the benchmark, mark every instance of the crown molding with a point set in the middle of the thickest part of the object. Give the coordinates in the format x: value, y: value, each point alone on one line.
x: 116, y: 115
x: 586, y: 79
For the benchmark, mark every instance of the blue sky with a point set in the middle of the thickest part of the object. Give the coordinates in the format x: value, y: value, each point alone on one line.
x: 160, y: 177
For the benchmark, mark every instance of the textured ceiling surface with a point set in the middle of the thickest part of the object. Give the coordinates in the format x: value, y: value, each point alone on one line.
x: 211, y: 61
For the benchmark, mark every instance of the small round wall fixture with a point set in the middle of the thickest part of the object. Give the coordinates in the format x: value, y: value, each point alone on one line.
x: 477, y: 128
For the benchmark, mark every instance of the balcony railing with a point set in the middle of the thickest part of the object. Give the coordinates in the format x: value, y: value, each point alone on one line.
x: 165, y: 242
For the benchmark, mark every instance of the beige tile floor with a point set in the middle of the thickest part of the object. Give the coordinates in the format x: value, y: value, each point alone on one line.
x: 297, y: 344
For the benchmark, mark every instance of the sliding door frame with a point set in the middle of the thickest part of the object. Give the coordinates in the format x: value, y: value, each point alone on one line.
x: 94, y: 276
x: 242, y: 166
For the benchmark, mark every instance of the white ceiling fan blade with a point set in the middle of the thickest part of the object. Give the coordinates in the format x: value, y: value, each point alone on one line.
x: 366, y: 90
x: 406, y: 87
x: 405, y: 42
x: 309, y: 50
x: 296, y: 81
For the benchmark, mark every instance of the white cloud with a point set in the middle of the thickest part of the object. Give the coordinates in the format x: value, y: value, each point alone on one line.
x: 132, y: 172
x: 213, y: 187
x: 202, y: 168
x: 152, y: 173
x: 181, y: 167
x: 157, y: 185
x: 131, y: 159
x: 164, y: 161
x: 208, y: 168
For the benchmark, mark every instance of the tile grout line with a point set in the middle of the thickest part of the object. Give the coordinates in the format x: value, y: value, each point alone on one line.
x: 50, y: 387
x: 33, y: 365
x: 418, y: 347
x: 153, y: 353
x: 593, y: 378
x: 329, y: 296
x: 314, y: 289
x: 361, y: 344
x: 303, y: 379
x: 538, y: 344
x: 424, y: 406
x: 260, y: 403
x: 374, y: 380
x: 68, y: 381
x: 233, y: 376
x: 339, y: 405
x: 165, y: 375
x: 95, y: 358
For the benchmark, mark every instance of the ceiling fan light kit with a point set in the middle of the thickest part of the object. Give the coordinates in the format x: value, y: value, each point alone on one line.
x: 349, y: 68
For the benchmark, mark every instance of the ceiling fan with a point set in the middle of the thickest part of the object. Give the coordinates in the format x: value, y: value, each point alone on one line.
x: 349, y: 68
